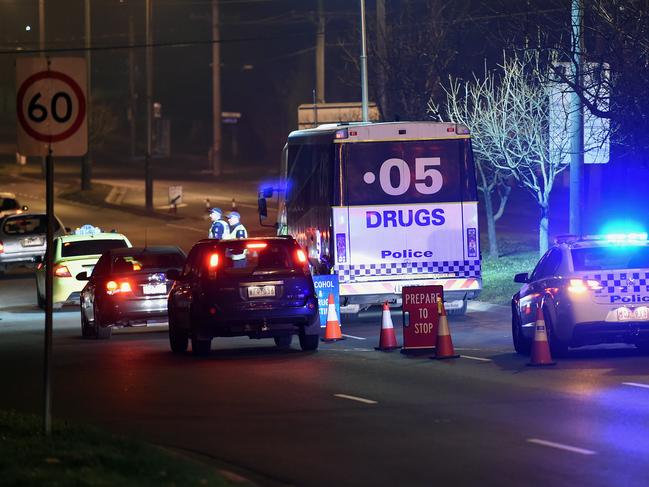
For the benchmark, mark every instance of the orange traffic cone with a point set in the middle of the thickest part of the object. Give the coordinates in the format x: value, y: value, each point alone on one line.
x: 444, y: 348
x: 540, y: 349
x: 388, y: 339
x: 332, y: 332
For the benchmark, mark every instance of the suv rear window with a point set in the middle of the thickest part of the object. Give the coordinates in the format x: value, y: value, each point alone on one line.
x: 27, y: 225
x: 247, y: 257
x: 91, y: 247
x: 607, y: 258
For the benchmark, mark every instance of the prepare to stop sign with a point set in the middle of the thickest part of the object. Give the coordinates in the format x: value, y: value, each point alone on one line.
x: 51, y: 106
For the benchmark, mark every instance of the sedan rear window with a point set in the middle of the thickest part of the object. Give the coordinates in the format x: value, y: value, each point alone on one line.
x: 27, y: 225
x: 613, y: 257
x: 91, y: 247
x: 147, y: 260
x: 247, y: 257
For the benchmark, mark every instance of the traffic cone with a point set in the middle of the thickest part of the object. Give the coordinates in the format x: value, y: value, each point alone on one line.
x: 540, y: 355
x: 332, y: 332
x: 444, y: 348
x: 388, y: 339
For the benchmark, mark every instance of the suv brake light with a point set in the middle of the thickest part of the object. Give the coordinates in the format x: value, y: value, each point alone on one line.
x: 213, y: 261
x: 301, y: 256
x: 257, y: 245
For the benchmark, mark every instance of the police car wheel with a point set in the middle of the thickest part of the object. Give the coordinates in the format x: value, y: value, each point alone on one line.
x: 558, y: 348
x: 201, y: 347
x: 309, y: 342
x: 284, y: 341
x: 522, y: 345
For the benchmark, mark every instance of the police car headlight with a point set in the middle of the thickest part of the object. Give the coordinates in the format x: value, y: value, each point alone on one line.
x: 579, y: 286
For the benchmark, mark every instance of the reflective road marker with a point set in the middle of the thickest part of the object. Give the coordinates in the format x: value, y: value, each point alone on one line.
x: 354, y: 398
x: 560, y: 446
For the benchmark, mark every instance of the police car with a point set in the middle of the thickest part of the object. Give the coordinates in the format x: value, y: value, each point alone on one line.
x: 592, y: 289
x: 74, y: 254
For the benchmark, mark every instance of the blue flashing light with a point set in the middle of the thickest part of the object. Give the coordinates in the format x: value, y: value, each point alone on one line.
x: 626, y: 237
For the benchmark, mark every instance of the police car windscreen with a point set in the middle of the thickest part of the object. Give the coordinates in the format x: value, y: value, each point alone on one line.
x: 90, y: 247
x: 608, y: 258
x: 421, y: 171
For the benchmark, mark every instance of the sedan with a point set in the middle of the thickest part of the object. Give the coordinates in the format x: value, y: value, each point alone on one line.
x: 128, y: 287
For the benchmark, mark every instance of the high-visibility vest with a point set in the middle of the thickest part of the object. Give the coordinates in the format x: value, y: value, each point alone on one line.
x: 219, y: 229
x: 239, y: 231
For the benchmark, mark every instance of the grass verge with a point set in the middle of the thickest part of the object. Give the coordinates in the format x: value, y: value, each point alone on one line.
x: 498, y: 284
x: 77, y: 455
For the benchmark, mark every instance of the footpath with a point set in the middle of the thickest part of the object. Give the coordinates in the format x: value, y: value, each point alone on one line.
x: 120, y: 185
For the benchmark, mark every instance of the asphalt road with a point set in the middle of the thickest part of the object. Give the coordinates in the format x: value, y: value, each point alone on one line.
x: 347, y: 414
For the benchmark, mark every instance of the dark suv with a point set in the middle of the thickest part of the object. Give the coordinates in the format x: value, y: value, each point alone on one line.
x: 257, y: 287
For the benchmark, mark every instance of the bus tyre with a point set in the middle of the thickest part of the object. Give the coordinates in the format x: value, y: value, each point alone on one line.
x: 309, y: 342
x: 460, y: 311
x: 283, y: 342
x: 522, y: 345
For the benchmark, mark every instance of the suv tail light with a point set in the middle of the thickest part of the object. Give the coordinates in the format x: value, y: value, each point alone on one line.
x: 62, y: 271
x: 300, y: 256
x: 114, y: 287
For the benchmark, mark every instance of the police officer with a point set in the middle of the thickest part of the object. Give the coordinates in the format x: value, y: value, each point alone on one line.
x: 237, y: 230
x: 219, y: 229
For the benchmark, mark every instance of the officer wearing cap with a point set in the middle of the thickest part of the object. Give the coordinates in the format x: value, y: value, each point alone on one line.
x: 219, y: 229
x: 237, y: 230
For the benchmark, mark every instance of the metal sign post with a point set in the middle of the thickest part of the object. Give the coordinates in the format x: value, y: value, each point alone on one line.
x: 51, y: 114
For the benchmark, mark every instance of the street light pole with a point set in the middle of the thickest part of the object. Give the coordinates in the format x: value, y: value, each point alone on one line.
x: 363, y: 65
x: 148, y: 177
x: 576, y: 122
x: 320, y: 55
x: 216, y: 91
x: 41, y: 48
x: 86, y: 162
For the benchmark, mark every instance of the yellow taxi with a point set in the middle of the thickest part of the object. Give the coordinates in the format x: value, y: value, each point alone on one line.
x: 73, y: 254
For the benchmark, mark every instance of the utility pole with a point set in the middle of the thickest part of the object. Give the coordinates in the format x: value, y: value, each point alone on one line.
x: 576, y: 121
x: 148, y: 177
x: 320, y: 54
x: 41, y: 48
x: 381, y: 34
x: 363, y: 65
x: 86, y: 161
x: 131, y: 82
x: 216, y: 91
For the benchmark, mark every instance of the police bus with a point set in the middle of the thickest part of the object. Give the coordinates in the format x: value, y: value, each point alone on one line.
x: 385, y: 205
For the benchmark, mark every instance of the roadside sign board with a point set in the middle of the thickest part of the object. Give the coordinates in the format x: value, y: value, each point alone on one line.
x: 420, y: 317
x: 324, y: 286
x: 175, y: 195
x: 51, y: 106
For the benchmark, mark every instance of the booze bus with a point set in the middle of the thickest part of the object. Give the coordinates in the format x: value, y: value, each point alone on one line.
x: 385, y: 205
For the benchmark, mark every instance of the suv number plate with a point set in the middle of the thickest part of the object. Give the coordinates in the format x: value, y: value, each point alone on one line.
x: 261, y: 291
x: 626, y: 314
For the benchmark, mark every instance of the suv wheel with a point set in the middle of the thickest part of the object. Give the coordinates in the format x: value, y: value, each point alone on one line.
x: 284, y: 341
x: 201, y: 347
x: 522, y: 345
x: 309, y: 342
x: 178, y: 339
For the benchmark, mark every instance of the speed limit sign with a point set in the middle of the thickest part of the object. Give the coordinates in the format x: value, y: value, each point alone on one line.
x: 51, y: 106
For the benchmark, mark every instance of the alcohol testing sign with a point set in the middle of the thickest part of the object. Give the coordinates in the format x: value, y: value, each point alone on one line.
x: 326, y: 285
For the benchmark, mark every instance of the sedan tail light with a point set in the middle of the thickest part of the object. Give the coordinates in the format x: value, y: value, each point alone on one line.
x: 116, y: 287
x: 2, y: 247
x: 300, y: 256
x: 62, y: 271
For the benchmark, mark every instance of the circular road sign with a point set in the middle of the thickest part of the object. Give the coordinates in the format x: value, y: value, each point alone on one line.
x: 43, y: 109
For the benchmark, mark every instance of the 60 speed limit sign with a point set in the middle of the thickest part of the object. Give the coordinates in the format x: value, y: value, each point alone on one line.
x: 51, y: 106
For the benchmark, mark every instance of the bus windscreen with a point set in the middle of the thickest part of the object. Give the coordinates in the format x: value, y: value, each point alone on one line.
x: 401, y: 172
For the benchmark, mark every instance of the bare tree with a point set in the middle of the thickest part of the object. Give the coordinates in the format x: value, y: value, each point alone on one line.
x: 473, y: 103
x: 510, y: 110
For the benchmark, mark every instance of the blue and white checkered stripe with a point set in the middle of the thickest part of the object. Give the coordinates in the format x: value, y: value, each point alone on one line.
x: 460, y: 268
x: 614, y: 281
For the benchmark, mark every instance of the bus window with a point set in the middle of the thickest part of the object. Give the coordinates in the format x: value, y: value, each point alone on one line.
x: 423, y: 171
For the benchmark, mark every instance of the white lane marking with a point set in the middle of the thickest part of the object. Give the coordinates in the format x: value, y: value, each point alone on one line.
x: 186, y: 227
x: 476, y: 358
x: 355, y: 338
x: 636, y: 384
x: 561, y: 446
x: 354, y: 398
